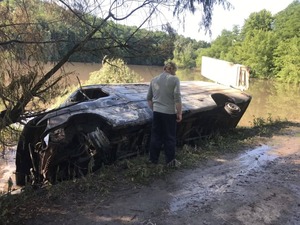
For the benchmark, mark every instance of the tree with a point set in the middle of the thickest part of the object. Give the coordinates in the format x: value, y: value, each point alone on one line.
x: 258, y: 21
x: 286, y: 23
x: 267, y: 44
x: 257, y: 53
x: 114, y: 71
x: 184, y: 52
x: 31, y: 34
x: 220, y: 47
x: 253, y: 45
x: 287, y: 60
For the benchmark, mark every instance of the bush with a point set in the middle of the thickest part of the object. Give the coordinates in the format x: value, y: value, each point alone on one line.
x: 114, y: 71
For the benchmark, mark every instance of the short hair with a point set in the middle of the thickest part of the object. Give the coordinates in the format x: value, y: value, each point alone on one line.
x: 170, y: 66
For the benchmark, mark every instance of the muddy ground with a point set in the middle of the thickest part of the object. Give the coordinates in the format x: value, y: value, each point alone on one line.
x: 259, y: 186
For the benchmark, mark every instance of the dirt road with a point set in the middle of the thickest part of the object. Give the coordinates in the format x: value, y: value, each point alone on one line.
x: 260, y: 186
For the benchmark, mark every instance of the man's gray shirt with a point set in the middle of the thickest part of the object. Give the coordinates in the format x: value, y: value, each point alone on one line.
x: 164, y: 92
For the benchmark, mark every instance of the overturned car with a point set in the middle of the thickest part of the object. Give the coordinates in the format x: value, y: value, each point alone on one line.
x: 100, y: 124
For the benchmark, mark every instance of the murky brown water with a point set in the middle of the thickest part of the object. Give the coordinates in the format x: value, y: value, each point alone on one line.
x: 273, y: 99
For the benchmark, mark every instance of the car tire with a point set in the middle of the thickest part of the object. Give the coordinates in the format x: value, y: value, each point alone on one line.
x: 232, y: 109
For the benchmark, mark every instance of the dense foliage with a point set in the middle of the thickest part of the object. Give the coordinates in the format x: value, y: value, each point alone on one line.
x: 114, y: 71
x: 268, y: 44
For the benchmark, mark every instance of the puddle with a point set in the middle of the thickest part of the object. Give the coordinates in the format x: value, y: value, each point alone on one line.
x: 257, y: 157
x: 211, y: 183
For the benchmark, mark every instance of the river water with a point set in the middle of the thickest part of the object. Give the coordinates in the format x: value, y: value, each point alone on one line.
x: 270, y: 99
x: 273, y: 99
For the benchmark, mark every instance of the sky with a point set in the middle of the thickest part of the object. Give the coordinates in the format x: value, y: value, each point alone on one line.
x: 224, y: 19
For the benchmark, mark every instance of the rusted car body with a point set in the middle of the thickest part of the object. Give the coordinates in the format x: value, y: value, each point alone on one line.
x: 100, y: 124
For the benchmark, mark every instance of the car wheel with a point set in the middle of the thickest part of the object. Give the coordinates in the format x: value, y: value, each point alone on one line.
x: 232, y: 109
x: 101, y: 143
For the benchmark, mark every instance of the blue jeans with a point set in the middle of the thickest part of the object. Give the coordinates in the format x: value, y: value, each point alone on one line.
x: 163, y: 135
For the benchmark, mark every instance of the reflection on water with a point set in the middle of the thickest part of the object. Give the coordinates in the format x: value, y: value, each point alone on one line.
x: 275, y: 99
x: 257, y: 157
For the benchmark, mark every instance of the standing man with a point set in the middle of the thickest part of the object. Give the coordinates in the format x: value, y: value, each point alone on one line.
x: 164, y: 98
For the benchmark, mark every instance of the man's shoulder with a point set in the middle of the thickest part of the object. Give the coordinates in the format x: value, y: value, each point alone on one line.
x: 175, y: 78
x: 158, y: 76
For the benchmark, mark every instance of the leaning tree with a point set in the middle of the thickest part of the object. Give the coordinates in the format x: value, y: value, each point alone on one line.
x: 37, y: 37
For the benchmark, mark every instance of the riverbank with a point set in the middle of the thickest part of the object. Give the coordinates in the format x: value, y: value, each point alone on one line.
x: 253, y: 180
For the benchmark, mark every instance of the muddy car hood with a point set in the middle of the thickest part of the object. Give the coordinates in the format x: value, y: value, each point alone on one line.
x: 126, y: 104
